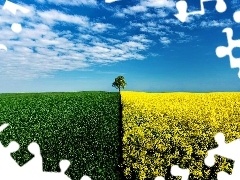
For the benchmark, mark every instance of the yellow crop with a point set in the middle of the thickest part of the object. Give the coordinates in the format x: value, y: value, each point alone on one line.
x: 165, y: 129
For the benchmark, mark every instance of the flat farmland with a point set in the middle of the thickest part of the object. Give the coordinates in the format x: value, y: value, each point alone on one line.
x: 135, y: 136
x: 166, y: 129
x: 81, y: 127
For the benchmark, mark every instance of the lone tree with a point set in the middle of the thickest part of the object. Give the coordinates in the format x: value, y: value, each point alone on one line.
x: 119, y: 83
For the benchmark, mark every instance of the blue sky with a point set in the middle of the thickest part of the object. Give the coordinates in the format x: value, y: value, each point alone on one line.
x: 83, y: 45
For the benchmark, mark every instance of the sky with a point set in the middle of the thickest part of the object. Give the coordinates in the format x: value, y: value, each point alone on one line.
x: 83, y: 45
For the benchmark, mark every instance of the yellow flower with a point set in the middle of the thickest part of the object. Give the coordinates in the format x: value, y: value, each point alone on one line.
x: 166, y: 127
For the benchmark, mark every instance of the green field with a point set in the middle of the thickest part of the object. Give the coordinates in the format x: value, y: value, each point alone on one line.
x: 86, y: 128
x: 81, y: 127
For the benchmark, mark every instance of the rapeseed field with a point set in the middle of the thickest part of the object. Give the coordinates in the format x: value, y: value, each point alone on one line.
x: 159, y: 130
x: 165, y: 129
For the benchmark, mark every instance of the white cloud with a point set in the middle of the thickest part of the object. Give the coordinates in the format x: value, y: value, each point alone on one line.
x: 148, y: 15
x: 134, y: 9
x: 158, y: 3
x: 101, y: 27
x: 171, y: 21
x: 132, y: 45
x: 235, y: 4
x: 162, y: 13
x: 150, y: 30
x: 140, y: 38
x: 151, y: 27
x: 53, y: 16
x: 40, y: 1
x: 183, y: 37
x: 40, y: 49
x: 119, y: 14
x: 133, y: 24
x: 70, y: 2
x: 143, y: 8
x: 151, y: 24
x: 215, y: 23
x: 138, y: 8
x: 165, y: 40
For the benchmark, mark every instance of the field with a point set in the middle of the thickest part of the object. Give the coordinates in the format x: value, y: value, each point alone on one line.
x: 144, y: 133
x: 80, y: 127
x: 161, y: 130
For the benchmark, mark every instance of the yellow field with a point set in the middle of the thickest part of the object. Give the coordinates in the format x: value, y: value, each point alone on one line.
x: 165, y: 129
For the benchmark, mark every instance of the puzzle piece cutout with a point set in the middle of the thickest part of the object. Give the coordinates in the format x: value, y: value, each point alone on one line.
x: 228, y: 150
x: 236, y: 16
x: 177, y: 171
x: 33, y: 169
x: 182, y: 7
x: 222, y: 51
x: 16, y: 27
x: 12, y: 7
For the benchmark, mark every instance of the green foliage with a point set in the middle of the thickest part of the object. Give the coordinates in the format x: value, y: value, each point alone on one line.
x: 119, y: 83
x: 80, y: 127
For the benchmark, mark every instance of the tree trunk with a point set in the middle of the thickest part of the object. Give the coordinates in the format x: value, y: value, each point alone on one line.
x: 119, y: 90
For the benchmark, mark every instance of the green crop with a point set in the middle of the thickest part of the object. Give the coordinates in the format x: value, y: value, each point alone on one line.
x: 81, y: 127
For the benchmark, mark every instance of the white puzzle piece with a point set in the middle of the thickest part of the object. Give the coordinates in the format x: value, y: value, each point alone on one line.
x: 16, y: 27
x: 177, y: 171
x: 222, y: 51
x: 228, y: 150
x: 9, y: 169
x: 182, y: 7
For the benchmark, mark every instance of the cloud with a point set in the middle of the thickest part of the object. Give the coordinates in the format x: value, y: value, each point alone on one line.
x: 235, y: 4
x: 137, y: 9
x: 143, y: 8
x: 165, y: 40
x: 42, y: 48
x: 216, y: 23
x: 158, y: 3
x: 171, y: 21
x: 119, y: 14
x: 52, y: 40
x: 101, y: 27
x: 53, y: 16
x: 162, y: 13
x: 40, y: 1
x: 140, y: 38
x: 183, y: 37
x: 132, y: 10
x: 69, y: 3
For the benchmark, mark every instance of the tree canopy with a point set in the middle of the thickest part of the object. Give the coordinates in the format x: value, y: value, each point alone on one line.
x: 119, y: 83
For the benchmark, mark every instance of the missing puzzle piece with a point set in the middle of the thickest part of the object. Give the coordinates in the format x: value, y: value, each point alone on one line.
x: 228, y: 150
x: 3, y: 126
x: 222, y: 51
x: 182, y: 7
x: 12, y: 7
x: 7, y: 163
x: 33, y: 166
x: 9, y: 168
x: 177, y: 171
x: 64, y: 164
